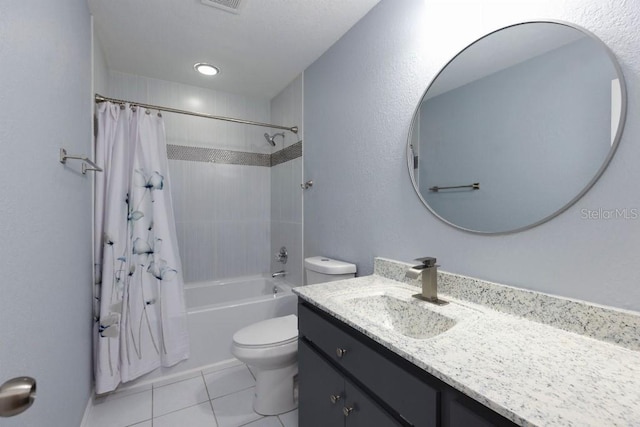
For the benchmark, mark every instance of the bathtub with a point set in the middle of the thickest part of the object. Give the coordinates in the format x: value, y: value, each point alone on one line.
x: 216, y: 310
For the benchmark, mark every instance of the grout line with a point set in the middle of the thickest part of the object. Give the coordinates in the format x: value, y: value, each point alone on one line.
x: 189, y: 406
x: 139, y: 422
x: 202, y: 376
x: 186, y: 407
x: 175, y: 380
x: 254, y: 377
x: 224, y: 369
x: 205, y: 385
x: 119, y: 394
x: 253, y: 421
x: 233, y: 392
x: 215, y: 417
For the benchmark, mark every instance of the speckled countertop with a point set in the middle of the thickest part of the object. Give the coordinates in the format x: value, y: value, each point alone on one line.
x: 531, y: 373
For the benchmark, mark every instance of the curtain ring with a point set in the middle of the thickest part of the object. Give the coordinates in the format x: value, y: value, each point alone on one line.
x: 147, y: 111
x: 122, y: 106
x: 134, y: 108
x: 159, y: 114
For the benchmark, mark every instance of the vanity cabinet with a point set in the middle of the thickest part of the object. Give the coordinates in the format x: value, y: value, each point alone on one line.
x: 340, y: 368
x: 333, y: 400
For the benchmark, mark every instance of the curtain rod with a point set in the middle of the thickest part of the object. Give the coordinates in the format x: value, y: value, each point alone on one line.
x: 100, y: 98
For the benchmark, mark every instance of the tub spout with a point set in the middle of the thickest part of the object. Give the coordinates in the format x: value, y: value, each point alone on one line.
x: 280, y: 273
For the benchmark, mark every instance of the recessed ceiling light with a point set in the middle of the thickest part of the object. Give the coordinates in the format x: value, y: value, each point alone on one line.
x: 206, y: 69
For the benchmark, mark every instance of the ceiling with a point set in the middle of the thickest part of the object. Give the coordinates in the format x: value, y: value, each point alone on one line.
x: 259, y: 51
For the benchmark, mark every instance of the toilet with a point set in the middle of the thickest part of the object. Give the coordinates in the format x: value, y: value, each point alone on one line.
x: 321, y: 269
x: 270, y: 347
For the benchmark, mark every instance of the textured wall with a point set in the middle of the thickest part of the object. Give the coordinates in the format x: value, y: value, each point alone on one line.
x: 100, y: 68
x: 358, y: 104
x: 286, y: 194
x: 45, y: 207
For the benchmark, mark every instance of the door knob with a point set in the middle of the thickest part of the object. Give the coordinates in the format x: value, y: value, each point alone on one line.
x: 16, y: 396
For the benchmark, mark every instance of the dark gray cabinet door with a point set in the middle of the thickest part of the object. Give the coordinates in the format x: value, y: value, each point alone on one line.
x: 461, y: 411
x: 318, y: 382
x: 361, y: 411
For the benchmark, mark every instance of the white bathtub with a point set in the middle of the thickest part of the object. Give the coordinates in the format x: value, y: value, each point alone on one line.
x: 216, y: 310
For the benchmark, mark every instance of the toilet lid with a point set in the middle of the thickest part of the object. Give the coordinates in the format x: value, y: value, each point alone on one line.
x: 268, y: 332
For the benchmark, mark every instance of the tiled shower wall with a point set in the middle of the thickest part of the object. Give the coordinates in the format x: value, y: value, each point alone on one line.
x: 286, y: 177
x: 222, y: 211
x: 222, y: 218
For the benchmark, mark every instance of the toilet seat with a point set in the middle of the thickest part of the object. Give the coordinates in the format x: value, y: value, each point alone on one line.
x: 268, y: 333
x: 275, y: 344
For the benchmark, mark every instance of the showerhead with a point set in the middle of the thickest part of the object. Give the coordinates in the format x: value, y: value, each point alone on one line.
x: 270, y: 139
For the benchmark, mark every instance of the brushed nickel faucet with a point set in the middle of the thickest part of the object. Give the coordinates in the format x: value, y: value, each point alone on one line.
x: 280, y: 273
x: 428, y: 270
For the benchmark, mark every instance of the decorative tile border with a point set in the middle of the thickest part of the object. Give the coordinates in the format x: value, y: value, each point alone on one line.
x: 291, y: 152
x: 616, y: 326
x: 214, y: 155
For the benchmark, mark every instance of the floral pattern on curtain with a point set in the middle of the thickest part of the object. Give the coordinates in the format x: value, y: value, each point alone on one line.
x: 139, y: 313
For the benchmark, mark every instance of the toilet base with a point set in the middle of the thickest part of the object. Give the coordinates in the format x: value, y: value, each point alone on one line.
x: 275, y: 390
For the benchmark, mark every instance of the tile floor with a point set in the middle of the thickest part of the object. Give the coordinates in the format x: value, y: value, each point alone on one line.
x: 213, y: 399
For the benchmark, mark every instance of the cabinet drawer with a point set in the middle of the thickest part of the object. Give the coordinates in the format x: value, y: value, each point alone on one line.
x: 318, y: 383
x: 325, y: 396
x: 412, y: 398
x: 362, y: 411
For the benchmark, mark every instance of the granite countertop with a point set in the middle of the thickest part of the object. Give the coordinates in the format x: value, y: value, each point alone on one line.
x: 531, y: 373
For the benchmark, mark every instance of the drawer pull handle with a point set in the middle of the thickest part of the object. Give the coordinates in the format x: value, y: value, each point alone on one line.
x: 340, y: 352
x: 347, y: 410
x: 334, y: 398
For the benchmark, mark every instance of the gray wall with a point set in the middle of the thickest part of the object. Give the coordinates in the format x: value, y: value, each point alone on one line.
x: 286, y: 194
x: 533, y: 135
x: 100, y: 68
x: 45, y: 207
x: 359, y: 100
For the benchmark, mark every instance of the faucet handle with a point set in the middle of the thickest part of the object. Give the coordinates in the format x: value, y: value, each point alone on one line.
x: 427, y: 262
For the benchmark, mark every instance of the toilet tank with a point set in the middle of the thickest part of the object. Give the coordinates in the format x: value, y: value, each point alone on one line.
x: 322, y: 269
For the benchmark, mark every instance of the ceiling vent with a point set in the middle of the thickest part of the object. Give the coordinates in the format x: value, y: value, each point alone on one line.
x: 232, y: 6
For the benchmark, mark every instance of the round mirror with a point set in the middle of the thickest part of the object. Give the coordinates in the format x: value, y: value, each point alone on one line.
x: 516, y: 127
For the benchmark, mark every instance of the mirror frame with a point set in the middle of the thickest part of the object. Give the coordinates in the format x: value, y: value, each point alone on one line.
x: 585, y: 189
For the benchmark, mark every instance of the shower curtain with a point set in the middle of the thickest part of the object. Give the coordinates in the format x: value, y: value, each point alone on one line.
x: 139, y: 314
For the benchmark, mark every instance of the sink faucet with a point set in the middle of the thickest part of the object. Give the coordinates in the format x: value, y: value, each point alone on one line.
x: 429, y: 272
x: 280, y: 273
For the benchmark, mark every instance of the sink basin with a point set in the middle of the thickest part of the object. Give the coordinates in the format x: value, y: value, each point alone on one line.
x: 411, y: 318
